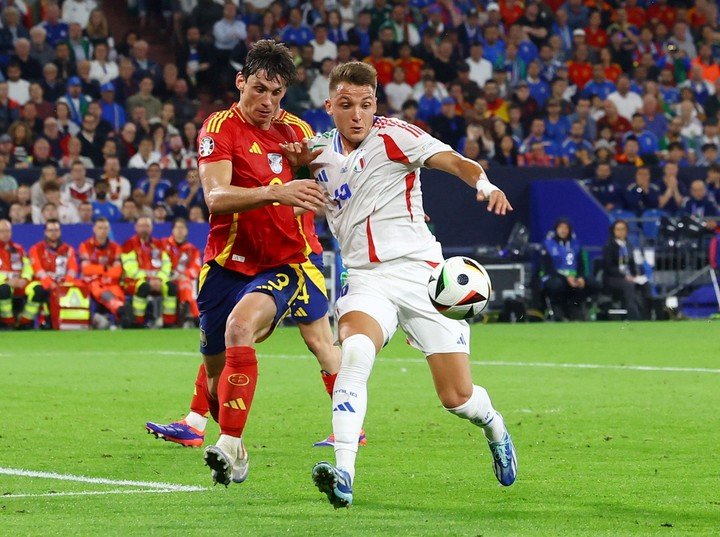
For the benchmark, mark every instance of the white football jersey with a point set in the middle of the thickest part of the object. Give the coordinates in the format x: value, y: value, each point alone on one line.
x: 377, y: 210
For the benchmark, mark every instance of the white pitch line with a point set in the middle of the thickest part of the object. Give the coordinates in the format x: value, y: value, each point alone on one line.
x: 491, y: 363
x: 155, y: 485
x: 94, y: 493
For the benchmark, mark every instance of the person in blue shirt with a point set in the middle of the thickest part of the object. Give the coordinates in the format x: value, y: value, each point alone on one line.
x: 699, y: 204
x: 154, y: 185
x: 604, y: 189
x: 102, y: 206
x: 428, y: 104
x: 599, y: 85
x: 112, y: 112
x: 537, y: 135
x: 573, y: 143
x: 642, y: 194
x: 666, y: 86
x: 539, y: 88
x: 557, y: 127
x: 296, y: 33
x: 563, y: 275
x: 647, y: 141
x: 494, y: 47
x: 190, y: 190
x: 56, y: 29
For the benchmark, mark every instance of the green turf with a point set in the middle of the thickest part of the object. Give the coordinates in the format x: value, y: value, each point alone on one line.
x: 601, y: 451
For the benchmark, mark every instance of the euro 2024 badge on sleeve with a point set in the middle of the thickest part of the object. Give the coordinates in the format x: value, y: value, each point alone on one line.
x: 275, y: 161
x: 207, y: 145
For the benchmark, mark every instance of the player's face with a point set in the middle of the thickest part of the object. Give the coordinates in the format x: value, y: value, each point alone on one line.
x: 352, y: 108
x: 259, y: 97
x: 101, y: 230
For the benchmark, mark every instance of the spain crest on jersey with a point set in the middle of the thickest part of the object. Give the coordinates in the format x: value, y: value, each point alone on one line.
x: 275, y: 161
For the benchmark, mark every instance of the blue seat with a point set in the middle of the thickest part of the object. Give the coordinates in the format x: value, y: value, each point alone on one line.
x: 651, y: 228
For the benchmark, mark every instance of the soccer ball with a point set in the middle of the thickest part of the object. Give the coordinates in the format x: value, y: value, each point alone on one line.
x: 459, y: 288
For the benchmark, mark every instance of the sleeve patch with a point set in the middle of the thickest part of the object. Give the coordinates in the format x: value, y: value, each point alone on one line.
x: 206, y: 146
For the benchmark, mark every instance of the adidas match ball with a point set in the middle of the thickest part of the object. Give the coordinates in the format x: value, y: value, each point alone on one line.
x: 459, y: 288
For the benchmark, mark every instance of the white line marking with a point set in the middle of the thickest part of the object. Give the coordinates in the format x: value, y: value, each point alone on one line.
x: 92, y: 493
x: 165, y: 487
x: 492, y: 363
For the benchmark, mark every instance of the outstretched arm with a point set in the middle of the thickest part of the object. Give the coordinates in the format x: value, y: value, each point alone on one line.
x: 473, y: 174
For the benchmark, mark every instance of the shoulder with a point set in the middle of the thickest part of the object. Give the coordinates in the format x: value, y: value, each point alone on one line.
x: 322, y: 140
x: 218, y: 121
x: 391, y: 125
x: 298, y: 125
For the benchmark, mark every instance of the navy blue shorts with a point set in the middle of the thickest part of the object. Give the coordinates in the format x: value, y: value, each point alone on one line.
x: 221, y: 289
x: 311, y: 303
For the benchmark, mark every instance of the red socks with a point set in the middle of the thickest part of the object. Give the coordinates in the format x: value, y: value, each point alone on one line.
x: 236, y: 389
x: 199, y: 403
x: 329, y: 381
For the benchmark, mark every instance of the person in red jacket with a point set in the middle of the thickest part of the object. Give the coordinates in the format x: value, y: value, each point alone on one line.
x: 15, y: 273
x: 55, y: 264
x: 185, y: 259
x: 146, y: 270
x: 101, y: 268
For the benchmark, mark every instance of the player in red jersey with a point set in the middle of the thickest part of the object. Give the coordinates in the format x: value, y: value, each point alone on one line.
x: 309, y: 311
x: 185, y: 260
x: 101, y: 268
x: 15, y: 273
x: 55, y: 264
x: 146, y: 270
x: 255, y: 252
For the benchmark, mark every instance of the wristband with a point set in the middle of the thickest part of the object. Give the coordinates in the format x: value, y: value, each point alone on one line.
x: 485, y: 187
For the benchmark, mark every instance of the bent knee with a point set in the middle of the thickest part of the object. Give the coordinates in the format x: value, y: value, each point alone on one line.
x: 454, y: 397
x: 239, y: 331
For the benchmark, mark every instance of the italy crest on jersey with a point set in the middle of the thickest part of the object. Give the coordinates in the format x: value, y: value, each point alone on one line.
x: 275, y: 161
x: 360, y: 162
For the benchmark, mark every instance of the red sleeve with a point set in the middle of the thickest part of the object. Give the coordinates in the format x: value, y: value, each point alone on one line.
x: 72, y: 263
x: 193, y: 267
x: 36, y: 261
x: 215, y: 140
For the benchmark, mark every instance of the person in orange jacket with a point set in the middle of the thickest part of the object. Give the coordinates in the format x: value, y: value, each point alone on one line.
x: 55, y: 264
x: 186, y: 263
x: 15, y: 273
x: 101, y: 268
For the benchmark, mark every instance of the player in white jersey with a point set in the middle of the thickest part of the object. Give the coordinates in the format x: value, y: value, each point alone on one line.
x: 370, y: 167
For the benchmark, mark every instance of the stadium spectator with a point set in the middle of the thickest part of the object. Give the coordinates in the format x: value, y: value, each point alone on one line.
x: 52, y: 87
x: 65, y: 211
x: 621, y: 273
x: 40, y: 50
x: 79, y: 46
x: 673, y: 195
x: 145, y: 99
x: 573, y: 143
x: 102, y: 206
x: 617, y: 123
x: 18, y: 88
x: 73, y: 150
x: 55, y: 28
x: 297, y: 98
x: 129, y: 211
x: 41, y: 154
x: 85, y: 212
x: 629, y: 155
x: 537, y: 156
x: 78, y: 187
x: 448, y: 126
x: 78, y: 11
x: 66, y: 65
x: 642, y: 194
x: 118, y: 186
x: 409, y: 114
x: 382, y: 64
x: 12, y: 29
x: 322, y: 46
x: 75, y: 100
x: 319, y: 90
x: 97, y: 30
x: 160, y: 213
x: 154, y: 186
x: 101, y: 269
x: 102, y: 69
x: 563, y: 275
x: 197, y: 215
x: 30, y: 68
x: 8, y: 184
x: 626, y: 101
x: 21, y: 137
x: 699, y: 204
x: 145, y: 155
x: 146, y: 271
x: 125, y: 84
x: 712, y: 182
x: 196, y: 59
x: 91, y: 141
x: 190, y: 190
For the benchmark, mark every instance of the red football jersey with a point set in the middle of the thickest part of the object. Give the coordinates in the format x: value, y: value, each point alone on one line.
x: 263, y: 238
x: 185, y: 258
x: 55, y: 263
x: 307, y: 220
x: 100, y: 260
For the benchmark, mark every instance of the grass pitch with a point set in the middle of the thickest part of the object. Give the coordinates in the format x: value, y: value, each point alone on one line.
x: 603, y: 450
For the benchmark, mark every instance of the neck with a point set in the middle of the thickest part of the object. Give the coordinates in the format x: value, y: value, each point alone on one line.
x: 53, y: 244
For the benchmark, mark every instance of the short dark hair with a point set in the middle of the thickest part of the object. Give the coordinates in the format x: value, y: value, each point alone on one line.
x: 355, y: 73
x: 101, y: 219
x: 51, y: 220
x: 273, y: 58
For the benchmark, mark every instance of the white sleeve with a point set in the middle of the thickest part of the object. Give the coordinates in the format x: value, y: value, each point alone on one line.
x: 414, y: 144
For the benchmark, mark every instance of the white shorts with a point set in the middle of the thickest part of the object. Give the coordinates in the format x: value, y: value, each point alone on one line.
x: 396, y: 293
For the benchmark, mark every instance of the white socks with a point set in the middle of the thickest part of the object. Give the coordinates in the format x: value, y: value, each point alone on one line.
x: 196, y: 421
x: 479, y: 411
x: 350, y: 398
